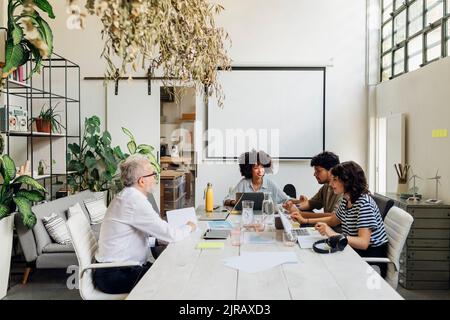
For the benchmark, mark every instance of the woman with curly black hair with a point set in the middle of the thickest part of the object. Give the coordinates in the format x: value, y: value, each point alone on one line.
x: 357, y: 213
x: 253, y: 166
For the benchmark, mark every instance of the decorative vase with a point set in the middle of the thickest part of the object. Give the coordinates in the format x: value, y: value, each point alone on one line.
x: 6, y: 239
x: 402, y: 188
x: 43, y: 125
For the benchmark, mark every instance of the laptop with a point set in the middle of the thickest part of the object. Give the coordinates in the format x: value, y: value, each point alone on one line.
x: 256, y: 197
x: 287, y: 225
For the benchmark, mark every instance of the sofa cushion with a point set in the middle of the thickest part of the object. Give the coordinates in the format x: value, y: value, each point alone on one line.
x: 96, y: 208
x: 56, y: 247
x: 75, y: 209
x: 57, y: 229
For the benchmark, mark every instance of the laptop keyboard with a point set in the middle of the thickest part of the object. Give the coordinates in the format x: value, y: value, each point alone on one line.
x: 300, y: 232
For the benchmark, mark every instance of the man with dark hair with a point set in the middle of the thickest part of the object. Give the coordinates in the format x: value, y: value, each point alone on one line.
x: 325, y: 198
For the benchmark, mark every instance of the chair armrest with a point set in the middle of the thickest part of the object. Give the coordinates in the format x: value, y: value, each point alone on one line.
x: 382, y: 260
x: 104, y: 265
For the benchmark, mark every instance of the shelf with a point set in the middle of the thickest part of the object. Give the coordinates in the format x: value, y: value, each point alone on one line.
x: 24, y: 90
x: 13, y: 84
x: 46, y: 176
x: 35, y: 134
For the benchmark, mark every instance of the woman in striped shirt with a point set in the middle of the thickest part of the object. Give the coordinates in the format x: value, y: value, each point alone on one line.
x: 357, y: 213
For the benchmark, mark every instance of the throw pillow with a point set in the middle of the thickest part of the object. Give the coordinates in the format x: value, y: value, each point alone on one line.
x: 57, y: 229
x: 96, y: 208
x: 75, y: 209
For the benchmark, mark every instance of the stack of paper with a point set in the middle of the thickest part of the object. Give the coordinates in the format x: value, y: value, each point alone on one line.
x: 252, y: 262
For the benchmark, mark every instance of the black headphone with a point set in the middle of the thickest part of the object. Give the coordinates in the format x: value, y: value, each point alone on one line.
x: 335, y: 243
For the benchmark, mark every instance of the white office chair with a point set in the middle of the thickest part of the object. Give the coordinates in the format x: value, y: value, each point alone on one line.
x: 397, y: 224
x: 85, y: 245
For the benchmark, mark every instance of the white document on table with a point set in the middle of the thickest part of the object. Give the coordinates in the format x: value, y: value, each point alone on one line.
x: 306, y: 242
x: 179, y: 217
x: 252, y: 262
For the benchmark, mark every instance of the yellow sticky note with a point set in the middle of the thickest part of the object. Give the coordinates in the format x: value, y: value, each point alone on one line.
x: 439, y: 133
x: 210, y: 245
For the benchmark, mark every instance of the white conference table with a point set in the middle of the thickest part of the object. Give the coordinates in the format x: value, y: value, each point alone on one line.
x: 186, y: 273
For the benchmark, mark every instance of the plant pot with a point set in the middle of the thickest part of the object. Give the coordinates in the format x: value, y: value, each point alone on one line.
x: 43, y: 125
x: 6, y: 239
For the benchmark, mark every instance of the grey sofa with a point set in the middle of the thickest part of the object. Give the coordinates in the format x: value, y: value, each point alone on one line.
x: 37, y: 246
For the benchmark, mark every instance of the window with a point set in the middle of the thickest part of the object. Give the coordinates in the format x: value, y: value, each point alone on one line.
x: 386, y: 72
x: 400, y: 27
x: 415, y: 53
x: 433, y: 44
x: 435, y: 10
x: 387, y: 36
x: 412, y: 34
x: 387, y: 9
x: 415, y: 18
x: 399, y: 61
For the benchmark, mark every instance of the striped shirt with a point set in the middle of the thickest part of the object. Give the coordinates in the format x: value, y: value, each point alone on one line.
x: 363, y: 214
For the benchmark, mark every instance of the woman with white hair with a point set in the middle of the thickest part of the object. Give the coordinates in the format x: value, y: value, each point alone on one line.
x: 130, y: 228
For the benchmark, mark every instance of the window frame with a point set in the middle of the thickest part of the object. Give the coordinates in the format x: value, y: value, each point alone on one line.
x: 404, y: 6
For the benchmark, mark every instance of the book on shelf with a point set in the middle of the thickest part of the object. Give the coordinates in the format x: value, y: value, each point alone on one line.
x: 18, y: 75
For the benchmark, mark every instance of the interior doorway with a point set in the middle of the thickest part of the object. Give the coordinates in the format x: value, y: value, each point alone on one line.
x: 177, y: 149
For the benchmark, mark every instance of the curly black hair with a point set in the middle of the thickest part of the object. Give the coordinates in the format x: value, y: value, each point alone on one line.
x: 248, y: 159
x: 353, y: 178
x: 326, y: 160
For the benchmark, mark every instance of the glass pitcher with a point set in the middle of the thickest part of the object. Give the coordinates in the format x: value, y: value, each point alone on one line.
x: 268, y: 209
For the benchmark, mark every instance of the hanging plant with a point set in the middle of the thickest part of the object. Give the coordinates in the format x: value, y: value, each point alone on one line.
x: 29, y: 35
x: 178, y: 37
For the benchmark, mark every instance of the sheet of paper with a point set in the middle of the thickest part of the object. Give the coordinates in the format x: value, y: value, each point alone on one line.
x: 180, y: 217
x: 210, y: 245
x: 259, y: 237
x: 306, y: 242
x: 252, y: 262
x: 221, y: 225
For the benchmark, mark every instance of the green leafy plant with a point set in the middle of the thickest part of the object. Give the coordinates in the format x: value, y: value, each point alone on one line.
x: 51, y: 116
x: 95, y: 162
x: 144, y: 149
x: 13, y: 197
x: 29, y: 35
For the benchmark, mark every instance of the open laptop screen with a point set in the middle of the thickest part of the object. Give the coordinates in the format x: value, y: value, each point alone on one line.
x: 256, y: 197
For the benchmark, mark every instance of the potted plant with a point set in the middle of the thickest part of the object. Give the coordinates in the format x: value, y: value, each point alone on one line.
x: 14, y: 198
x: 48, y: 119
x: 28, y: 35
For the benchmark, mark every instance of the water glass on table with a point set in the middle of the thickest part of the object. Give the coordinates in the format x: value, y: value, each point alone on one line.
x: 236, y: 234
x: 289, y: 239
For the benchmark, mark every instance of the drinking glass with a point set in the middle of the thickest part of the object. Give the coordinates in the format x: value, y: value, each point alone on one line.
x: 236, y: 236
x: 289, y: 239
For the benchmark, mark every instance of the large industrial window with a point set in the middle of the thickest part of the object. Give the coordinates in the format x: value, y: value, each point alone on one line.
x: 413, y: 34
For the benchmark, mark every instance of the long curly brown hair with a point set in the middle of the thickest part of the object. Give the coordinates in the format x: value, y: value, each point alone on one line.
x: 353, y: 178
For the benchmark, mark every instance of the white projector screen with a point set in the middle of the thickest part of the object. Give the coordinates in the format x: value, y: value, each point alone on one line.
x: 280, y: 110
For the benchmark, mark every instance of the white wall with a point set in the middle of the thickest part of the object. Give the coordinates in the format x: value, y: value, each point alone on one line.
x: 423, y: 96
x: 300, y: 32
x: 289, y: 32
x: 84, y: 48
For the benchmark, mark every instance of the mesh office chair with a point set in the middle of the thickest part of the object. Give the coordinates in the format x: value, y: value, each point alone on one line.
x: 85, y: 245
x: 289, y: 189
x: 397, y: 224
